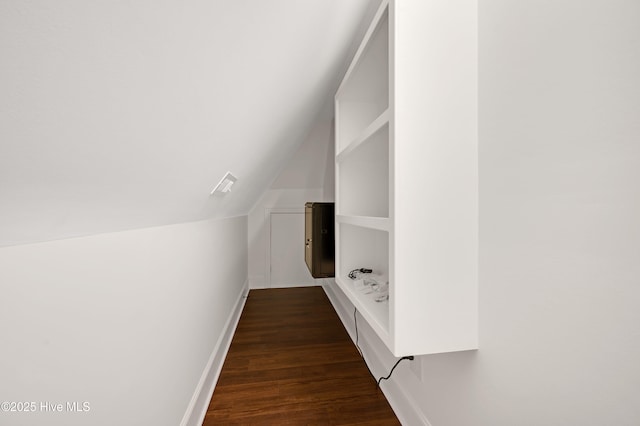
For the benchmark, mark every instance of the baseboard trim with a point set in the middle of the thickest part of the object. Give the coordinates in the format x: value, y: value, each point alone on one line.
x: 403, y: 405
x: 197, y: 408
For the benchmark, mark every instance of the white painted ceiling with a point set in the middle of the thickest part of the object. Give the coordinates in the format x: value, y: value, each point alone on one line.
x: 117, y: 115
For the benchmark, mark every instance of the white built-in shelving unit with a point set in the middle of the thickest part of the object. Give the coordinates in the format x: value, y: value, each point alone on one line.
x: 406, y: 175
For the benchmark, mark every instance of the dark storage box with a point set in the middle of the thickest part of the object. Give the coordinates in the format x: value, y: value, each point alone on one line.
x: 319, y: 240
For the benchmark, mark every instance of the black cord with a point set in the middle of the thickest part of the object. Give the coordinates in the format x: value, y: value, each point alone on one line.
x: 410, y: 357
x: 354, y: 274
x: 355, y: 321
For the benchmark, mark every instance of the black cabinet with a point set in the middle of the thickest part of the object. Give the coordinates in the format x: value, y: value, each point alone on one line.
x: 319, y: 240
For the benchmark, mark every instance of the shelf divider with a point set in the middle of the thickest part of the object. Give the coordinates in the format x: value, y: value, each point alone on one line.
x: 371, y: 129
x: 379, y: 223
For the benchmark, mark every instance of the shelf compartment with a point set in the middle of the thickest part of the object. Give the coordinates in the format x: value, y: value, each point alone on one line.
x: 375, y: 314
x: 364, y: 248
x: 363, y: 177
x: 364, y: 93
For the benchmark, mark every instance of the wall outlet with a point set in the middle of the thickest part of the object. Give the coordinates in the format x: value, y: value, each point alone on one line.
x: 416, y: 367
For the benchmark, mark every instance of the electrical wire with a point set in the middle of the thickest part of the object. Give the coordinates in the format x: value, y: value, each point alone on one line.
x: 356, y: 272
x: 410, y: 357
x: 393, y: 368
x: 355, y: 321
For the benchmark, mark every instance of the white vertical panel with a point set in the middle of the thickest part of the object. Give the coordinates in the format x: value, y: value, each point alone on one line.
x: 435, y: 188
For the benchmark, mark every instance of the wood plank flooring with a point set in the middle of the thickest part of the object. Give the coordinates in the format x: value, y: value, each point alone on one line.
x: 291, y: 362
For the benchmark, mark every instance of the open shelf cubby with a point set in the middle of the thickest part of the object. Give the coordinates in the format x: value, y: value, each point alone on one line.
x: 364, y: 93
x: 363, y: 177
x: 364, y: 248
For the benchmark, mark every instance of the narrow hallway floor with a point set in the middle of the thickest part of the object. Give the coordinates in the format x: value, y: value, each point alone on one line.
x: 291, y: 362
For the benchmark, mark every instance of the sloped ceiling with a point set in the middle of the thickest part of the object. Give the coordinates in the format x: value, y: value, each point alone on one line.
x: 117, y: 115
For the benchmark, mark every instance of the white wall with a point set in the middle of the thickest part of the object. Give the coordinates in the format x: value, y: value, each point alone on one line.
x: 125, y: 321
x: 559, y: 227
x: 122, y: 115
x: 307, y: 176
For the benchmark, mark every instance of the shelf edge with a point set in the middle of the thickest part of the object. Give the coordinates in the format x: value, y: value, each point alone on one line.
x: 370, y: 222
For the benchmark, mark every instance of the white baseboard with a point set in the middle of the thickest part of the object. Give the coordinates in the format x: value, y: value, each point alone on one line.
x: 197, y: 408
x: 378, y: 358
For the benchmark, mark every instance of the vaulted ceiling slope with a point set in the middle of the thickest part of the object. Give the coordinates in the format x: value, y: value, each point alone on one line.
x: 120, y: 115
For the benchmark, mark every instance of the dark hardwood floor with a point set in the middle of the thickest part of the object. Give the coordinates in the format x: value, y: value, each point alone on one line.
x: 291, y: 362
